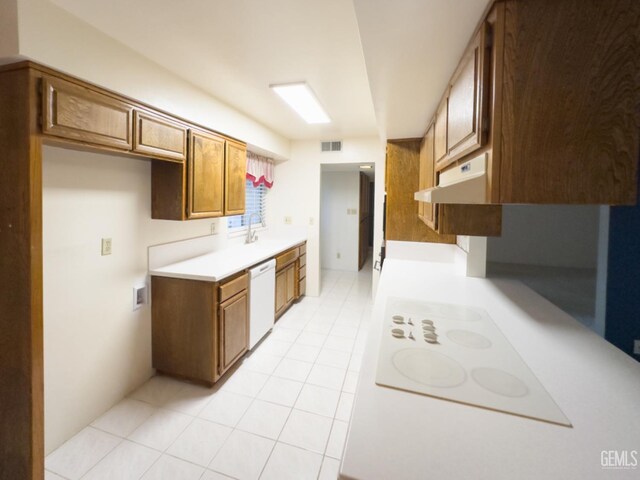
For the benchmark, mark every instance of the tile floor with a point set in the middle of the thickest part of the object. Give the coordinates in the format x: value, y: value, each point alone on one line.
x: 283, y: 414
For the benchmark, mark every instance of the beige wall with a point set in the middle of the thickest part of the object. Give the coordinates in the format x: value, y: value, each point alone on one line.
x: 296, y: 193
x: 96, y: 348
x: 8, y: 29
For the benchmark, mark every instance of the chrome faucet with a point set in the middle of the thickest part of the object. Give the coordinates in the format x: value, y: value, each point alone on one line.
x: 251, y: 235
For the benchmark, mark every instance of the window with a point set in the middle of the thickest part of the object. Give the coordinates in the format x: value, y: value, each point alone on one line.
x: 255, y: 203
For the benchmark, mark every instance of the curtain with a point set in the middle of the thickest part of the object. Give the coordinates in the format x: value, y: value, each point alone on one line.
x: 259, y: 170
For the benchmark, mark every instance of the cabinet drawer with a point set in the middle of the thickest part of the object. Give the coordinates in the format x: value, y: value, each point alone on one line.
x: 303, y: 259
x: 303, y: 248
x: 286, y: 258
x: 159, y: 137
x: 77, y: 113
x: 302, y: 271
x: 232, y: 287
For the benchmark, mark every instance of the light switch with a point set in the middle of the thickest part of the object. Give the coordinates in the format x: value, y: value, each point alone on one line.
x: 139, y: 296
x: 106, y: 246
x: 287, y: 220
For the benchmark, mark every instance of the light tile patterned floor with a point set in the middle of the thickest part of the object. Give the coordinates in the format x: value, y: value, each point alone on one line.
x: 283, y: 414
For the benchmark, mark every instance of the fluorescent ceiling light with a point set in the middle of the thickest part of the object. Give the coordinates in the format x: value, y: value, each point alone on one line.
x: 366, y: 166
x: 300, y: 97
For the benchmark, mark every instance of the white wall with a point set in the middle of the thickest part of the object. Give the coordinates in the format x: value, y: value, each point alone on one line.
x: 8, y: 29
x: 339, y: 231
x: 296, y: 193
x: 96, y: 348
x: 50, y: 35
x: 551, y: 235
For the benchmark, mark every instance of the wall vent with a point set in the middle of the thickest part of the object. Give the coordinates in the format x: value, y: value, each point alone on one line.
x: 332, y: 146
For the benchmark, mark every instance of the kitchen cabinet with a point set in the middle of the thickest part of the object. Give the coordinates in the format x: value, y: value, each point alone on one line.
x: 403, y: 221
x: 159, y: 137
x: 78, y: 113
x: 235, y: 178
x: 556, y: 123
x: 181, y: 192
x: 206, y: 172
x: 199, y: 329
x: 290, y: 277
x: 440, y: 131
x: 453, y: 219
x: 426, y: 211
x: 233, y: 328
x: 302, y: 270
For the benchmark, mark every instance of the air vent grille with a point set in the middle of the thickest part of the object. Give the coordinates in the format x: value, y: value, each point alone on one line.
x: 332, y: 146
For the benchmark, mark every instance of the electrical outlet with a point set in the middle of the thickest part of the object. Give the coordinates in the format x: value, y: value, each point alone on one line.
x: 106, y: 246
x: 338, y: 255
x: 287, y: 220
x: 214, y: 228
x: 636, y: 347
x: 139, y: 296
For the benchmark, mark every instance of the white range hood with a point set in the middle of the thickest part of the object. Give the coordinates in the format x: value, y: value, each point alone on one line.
x: 466, y: 183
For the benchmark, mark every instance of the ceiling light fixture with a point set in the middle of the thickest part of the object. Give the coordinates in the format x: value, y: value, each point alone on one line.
x: 366, y: 167
x: 300, y: 97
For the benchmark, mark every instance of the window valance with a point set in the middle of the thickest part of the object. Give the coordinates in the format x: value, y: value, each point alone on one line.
x: 259, y: 170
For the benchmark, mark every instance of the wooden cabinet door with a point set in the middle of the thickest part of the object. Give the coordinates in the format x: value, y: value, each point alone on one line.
x: 233, y: 330
x: 159, y: 137
x: 281, y: 291
x: 206, y: 175
x: 465, y: 112
x: 440, y: 132
x: 291, y: 283
x: 235, y: 178
x: 78, y: 113
x: 428, y: 178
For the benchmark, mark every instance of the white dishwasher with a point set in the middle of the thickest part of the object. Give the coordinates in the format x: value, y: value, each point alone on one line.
x: 262, y: 301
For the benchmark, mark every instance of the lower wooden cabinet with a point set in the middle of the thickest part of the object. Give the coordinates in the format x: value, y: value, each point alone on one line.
x: 233, y: 328
x: 199, y: 329
x: 291, y: 281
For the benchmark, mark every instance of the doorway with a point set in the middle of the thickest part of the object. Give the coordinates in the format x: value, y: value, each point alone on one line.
x: 346, y: 215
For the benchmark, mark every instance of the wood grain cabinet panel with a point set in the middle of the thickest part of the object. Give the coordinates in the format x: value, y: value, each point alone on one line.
x: 159, y: 137
x: 81, y: 114
x: 427, y: 178
x: 440, y: 131
x: 233, y: 330
x: 199, y: 329
x: 291, y: 283
x: 206, y: 175
x: 235, y: 178
x: 281, y: 292
x: 465, y: 112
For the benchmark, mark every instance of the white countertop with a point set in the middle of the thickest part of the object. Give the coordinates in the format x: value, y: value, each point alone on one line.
x: 399, y: 435
x: 220, y: 264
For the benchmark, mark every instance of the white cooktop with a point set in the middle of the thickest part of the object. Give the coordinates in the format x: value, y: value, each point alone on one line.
x: 458, y: 353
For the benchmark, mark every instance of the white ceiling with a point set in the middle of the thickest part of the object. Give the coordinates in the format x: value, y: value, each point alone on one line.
x: 234, y: 49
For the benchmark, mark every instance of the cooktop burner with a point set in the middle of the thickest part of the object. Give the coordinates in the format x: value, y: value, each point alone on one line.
x: 429, y: 368
x: 457, y: 353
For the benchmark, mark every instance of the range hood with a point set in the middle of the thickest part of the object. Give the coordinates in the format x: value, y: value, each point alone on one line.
x: 466, y: 183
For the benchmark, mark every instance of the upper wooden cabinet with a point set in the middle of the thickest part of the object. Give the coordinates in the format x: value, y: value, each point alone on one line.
x: 206, y: 175
x: 555, y: 113
x: 466, y: 108
x: 78, y: 113
x: 235, y: 178
x: 196, y: 173
x: 159, y: 137
x: 440, y: 131
x: 426, y: 211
